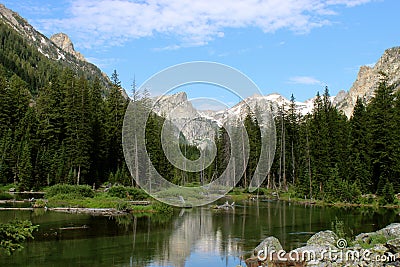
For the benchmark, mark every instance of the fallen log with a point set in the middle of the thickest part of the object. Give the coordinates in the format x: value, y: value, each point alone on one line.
x: 74, y: 227
x: 140, y: 202
x: 92, y: 211
x: 226, y: 206
x: 31, y: 209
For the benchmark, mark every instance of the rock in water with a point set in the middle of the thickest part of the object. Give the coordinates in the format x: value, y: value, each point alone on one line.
x: 270, y: 244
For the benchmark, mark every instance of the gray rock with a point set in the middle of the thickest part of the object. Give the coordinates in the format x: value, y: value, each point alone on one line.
x: 324, y: 238
x: 270, y: 244
x: 391, y: 231
x: 393, y: 245
x: 379, y: 249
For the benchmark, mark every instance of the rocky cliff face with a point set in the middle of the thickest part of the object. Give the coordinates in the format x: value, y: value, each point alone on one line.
x: 194, y: 126
x: 368, y: 79
x: 64, y: 42
x: 59, y: 49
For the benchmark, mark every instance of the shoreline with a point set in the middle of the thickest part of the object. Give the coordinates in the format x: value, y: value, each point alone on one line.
x: 316, y: 202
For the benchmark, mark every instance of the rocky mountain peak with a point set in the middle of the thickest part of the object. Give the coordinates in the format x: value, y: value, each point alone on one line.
x: 18, y: 23
x: 368, y: 79
x: 63, y: 41
x: 9, y: 15
x: 59, y: 49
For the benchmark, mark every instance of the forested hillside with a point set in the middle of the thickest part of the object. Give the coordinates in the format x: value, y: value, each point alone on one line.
x: 57, y: 125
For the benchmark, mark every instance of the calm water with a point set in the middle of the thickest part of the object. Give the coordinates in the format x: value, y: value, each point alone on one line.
x: 192, y: 237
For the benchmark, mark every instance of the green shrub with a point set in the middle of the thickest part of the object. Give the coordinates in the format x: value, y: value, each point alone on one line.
x: 40, y: 203
x: 162, y: 208
x: 14, y: 233
x: 72, y: 190
x: 366, y: 199
x: 337, y: 226
x: 123, y: 206
x: 5, y: 196
x: 372, y: 241
x: 123, y: 192
x: 377, y: 239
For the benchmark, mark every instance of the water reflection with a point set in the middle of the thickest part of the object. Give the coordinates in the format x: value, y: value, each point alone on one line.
x: 224, y: 236
x: 191, y: 237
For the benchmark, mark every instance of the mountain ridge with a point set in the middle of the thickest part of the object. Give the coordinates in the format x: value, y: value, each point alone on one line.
x: 56, y: 51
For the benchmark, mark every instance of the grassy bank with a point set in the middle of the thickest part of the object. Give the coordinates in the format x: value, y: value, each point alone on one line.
x: 83, y: 196
x: 117, y: 197
x: 240, y: 194
x: 122, y: 198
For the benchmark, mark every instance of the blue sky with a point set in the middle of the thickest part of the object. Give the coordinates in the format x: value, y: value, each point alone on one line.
x: 292, y: 46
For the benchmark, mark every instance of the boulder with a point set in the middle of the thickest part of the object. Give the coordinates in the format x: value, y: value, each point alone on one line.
x: 270, y: 244
x: 379, y: 249
x: 393, y: 245
x: 324, y: 239
x: 319, y: 243
x: 391, y: 231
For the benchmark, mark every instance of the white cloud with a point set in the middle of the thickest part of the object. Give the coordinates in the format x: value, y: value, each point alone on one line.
x: 193, y: 23
x: 169, y: 47
x: 348, y: 3
x: 304, y: 80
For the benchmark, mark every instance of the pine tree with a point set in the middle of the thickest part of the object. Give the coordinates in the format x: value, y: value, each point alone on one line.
x: 115, y: 110
x: 359, y: 159
x: 382, y: 126
x: 25, y: 169
x: 98, y: 150
x: 254, y: 136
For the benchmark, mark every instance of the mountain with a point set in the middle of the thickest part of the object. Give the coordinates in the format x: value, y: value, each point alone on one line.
x: 59, y: 50
x: 272, y: 102
x: 368, y: 79
x: 194, y: 125
x: 197, y: 125
x: 64, y: 42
